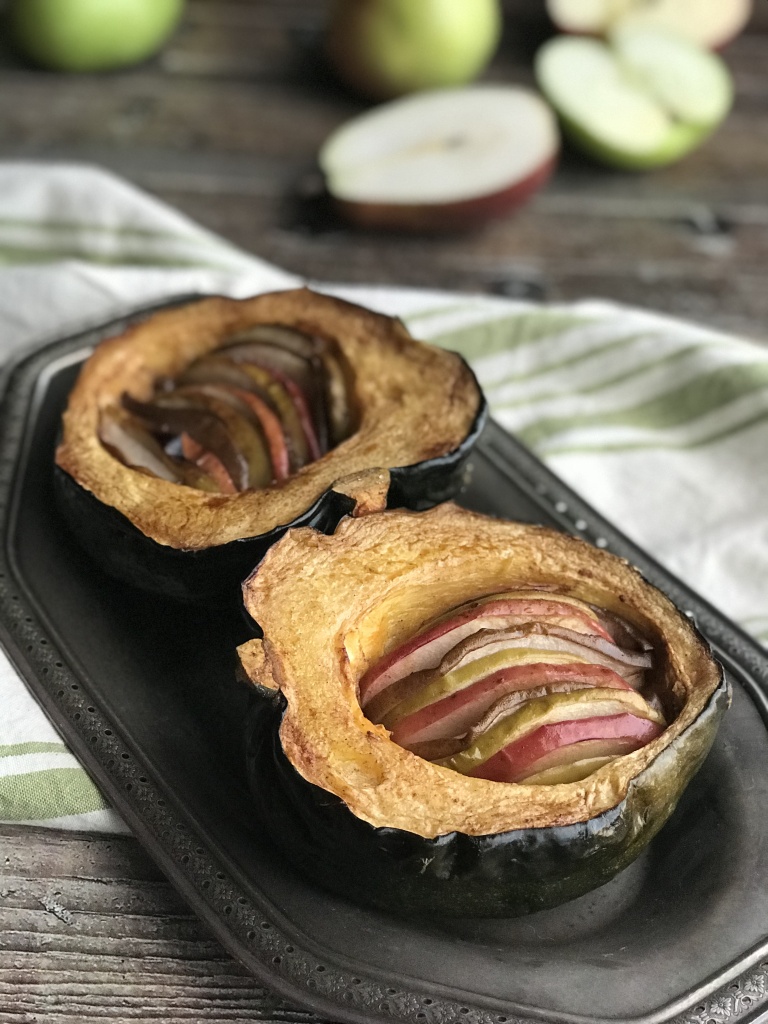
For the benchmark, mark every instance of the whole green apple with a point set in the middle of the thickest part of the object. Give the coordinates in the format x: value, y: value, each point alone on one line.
x: 386, y: 48
x: 91, y: 35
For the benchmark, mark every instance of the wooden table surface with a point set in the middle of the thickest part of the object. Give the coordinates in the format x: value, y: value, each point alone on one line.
x: 225, y: 125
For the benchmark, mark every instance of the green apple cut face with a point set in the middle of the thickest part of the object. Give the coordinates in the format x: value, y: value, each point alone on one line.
x: 641, y: 102
x: 91, y: 35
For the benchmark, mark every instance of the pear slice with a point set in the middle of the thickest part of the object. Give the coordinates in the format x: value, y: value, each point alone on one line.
x: 644, y: 101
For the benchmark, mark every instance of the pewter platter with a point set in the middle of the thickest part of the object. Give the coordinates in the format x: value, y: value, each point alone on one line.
x: 144, y: 691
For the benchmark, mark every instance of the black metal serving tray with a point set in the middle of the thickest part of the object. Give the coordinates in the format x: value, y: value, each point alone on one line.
x: 144, y: 692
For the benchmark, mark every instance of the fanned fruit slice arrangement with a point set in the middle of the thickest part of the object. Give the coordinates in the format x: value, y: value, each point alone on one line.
x: 523, y: 686
x: 252, y: 413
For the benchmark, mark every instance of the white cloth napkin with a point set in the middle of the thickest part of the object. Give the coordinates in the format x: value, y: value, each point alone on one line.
x: 661, y: 425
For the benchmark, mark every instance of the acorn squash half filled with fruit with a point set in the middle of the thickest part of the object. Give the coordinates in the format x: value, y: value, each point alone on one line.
x: 459, y: 715
x: 194, y: 439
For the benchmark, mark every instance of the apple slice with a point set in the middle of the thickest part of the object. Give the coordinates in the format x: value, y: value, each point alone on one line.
x: 299, y: 378
x: 570, y: 770
x: 645, y: 101
x: 423, y: 688
x: 497, y: 611
x: 441, y: 160
x: 619, y: 734
x: 176, y: 416
x: 241, y: 428
x: 479, y: 662
x: 494, y: 752
x: 331, y: 397
x: 709, y: 23
x: 254, y: 409
x: 208, y: 463
x: 454, y: 714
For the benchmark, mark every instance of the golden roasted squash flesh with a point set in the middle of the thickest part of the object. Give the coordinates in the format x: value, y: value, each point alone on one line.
x: 238, y: 415
x: 331, y: 630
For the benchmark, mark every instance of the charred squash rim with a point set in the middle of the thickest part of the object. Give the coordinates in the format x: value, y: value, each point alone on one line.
x: 417, y: 432
x: 373, y: 584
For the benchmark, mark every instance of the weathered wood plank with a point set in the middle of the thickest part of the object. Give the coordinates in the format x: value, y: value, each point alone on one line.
x: 91, y: 931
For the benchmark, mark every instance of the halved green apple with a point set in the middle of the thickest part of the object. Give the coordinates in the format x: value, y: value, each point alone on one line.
x: 644, y: 100
x: 710, y: 23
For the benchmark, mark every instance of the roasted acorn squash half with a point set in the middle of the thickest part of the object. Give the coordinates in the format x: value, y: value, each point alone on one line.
x: 365, y: 416
x: 360, y: 814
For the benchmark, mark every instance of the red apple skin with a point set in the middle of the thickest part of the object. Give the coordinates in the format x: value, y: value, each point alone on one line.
x: 445, y: 218
x: 296, y: 396
x: 273, y: 432
x: 454, y: 714
x: 425, y: 652
x: 520, y: 758
x: 209, y: 464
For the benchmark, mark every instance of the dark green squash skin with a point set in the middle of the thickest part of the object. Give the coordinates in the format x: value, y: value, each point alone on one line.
x: 127, y: 554
x: 124, y: 552
x: 456, y: 875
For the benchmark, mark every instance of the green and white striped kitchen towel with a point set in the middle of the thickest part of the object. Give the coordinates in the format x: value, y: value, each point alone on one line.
x: 662, y: 425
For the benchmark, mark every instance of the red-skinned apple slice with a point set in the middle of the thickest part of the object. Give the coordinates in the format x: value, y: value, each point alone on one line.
x: 481, y: 655
x: 313, y: 348
x: 241, y: 427
x: 710, y: 23
x: 546, y: 636
x: 422, y: 688
x: 441, y: 160
x: 492, y: 751
x: 175, y: 416
x: 258, y: 412
x: 621, y: 734
x: 428, y: 649
x: 294, y: 434
x: 453, y: 715
x: 273, y: 432
x: 208, y: 463
x: 305, y: 373
x: 220, y: 370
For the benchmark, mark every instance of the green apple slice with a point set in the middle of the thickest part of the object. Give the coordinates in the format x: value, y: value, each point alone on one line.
x: 573, y: 771
x: 643, y: 101
x: 549, y: 710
